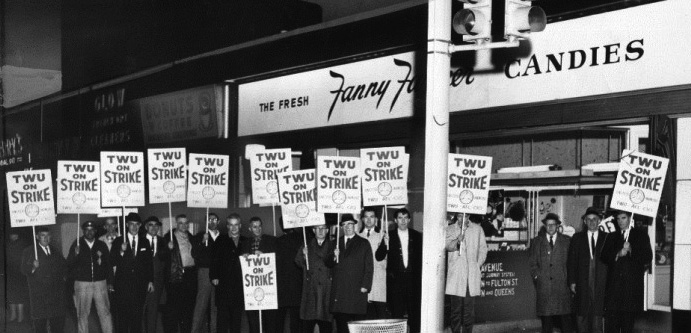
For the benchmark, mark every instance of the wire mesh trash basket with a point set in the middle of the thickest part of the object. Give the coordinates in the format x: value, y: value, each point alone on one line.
x: 378, y: 326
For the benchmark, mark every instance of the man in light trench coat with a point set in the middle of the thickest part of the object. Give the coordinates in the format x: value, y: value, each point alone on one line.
x: 467, y: 250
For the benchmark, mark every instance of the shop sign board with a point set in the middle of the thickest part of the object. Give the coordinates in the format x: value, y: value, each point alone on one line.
x: 468, y: 183
x: 167, y: 175
x: 639, y: 183
x: 370, y: 90
x: 570, y: 59
x: 384, y: 176
x: 507, y: 292
x: 79, y: 187
x: 338, y: 184
x: 116, y: 212
x: 266, y: 167
x: 298, y: 193
x: 207, y: 185
x: 182, y: 115
x: 259, y: 281
x: 30, y: 196
x: 122, y: 179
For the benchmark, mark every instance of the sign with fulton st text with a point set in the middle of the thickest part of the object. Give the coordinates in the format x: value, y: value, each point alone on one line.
x: 384, y: 176
x: 30, y: 196
x: 468, y: 183
x: 208, y: 181
x: 266, y: 166
x: 369, y: 90
x: 639, y: 183
x: 79, y: 187
x: 122, y: 179
x: 338, y: 185
x: 181, y: 115
x: 167, y: 175
x: 259, y: 281
x: 298, y: 193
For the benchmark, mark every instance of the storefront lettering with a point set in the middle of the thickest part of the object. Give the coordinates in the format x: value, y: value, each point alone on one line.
x: 110, y: 100
x: 461, y: 74
x: 11, y: 146
x: 345, y: 94
x: 576, y: 59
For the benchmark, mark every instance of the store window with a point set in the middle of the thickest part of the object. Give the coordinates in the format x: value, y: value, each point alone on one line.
x: 565, y: 172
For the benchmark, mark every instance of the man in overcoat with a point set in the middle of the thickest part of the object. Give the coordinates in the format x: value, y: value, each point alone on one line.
x: 628, y: 255
x: 131, y: 256
x: 352, y: 275
x: 290, y: 281
x: 225, y: 273
x: 46, y: 276
x: 549, y: 253
x: 181, y: 278
x: 315, y: 307
x: 588, y: 272
x: 403, y: 269
x: 161, y: 255
x: 376, y: 300
x: 260, y: 243
x: 467, y: 250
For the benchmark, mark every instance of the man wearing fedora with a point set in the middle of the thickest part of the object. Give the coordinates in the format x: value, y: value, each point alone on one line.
x: 588, y: 272
x: 548, y: 261
x: 353, y: 268
x: 131, y: 255
x: 89, y: 265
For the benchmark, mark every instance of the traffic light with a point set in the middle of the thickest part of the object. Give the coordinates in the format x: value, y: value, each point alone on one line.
x: 474, y: 21
x: 521, y: 18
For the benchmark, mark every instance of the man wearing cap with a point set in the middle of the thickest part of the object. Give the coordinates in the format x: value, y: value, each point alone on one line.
x: 89, y: 265
x: 588, y: 272
x: 628, y: 254
x: 226, y: 275
x: 403, y: 269
x: 202, y: 247
x: 160, y: 255
x: 548, y: 256
x: 131, y: 255
x: 181, y: 284
x: 258, y: 244
x: 46, y: 275
x: 353, y: 268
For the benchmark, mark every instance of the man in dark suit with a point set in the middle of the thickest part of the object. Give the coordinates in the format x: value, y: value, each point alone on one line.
x: 628, y: 255
x: 353, y: 269
x: 46, y: 276
x: 290, y: 281
x: 131, y: 255
x: 403, y: 270
x: 258, y: 244
x: 181, y: 278
x: 205, y: 303
x: 160, y: 255
x: 587, y: 272
x: 225, y: 273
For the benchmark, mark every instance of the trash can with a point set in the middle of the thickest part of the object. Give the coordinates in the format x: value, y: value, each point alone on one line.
x: 378, y: 326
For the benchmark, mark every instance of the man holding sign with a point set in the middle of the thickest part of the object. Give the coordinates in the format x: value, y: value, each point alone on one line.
x: 628, y: 254
x: 259, y: 244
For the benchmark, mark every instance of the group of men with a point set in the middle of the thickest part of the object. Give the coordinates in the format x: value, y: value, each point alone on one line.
x: 370, y: 274
x: 602, y: 273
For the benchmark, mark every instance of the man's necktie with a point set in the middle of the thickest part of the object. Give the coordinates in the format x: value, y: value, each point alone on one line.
x: 592, y: 245
x: 47, y: 249
x: 134, y: 246
x: 551, y: 241
x: 368, y: 230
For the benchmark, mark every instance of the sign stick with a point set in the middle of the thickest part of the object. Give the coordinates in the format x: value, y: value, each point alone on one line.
x: 630, y: 226
x: 462, y: 230
x: 170, y: 219
x: 77, y: 230
x: 33, y: 227
x: 273, y: 216
x: 261, y: 325
x: 207, y: 224
x: 385, y: 223
x: 304, y: 237
x: 123, y: 222
x: 338, y: 234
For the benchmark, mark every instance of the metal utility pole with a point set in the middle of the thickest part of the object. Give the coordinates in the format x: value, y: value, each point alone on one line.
x: 436, y: 155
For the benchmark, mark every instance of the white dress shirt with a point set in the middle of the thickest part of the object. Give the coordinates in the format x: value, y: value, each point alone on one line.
x: 403, y: 235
